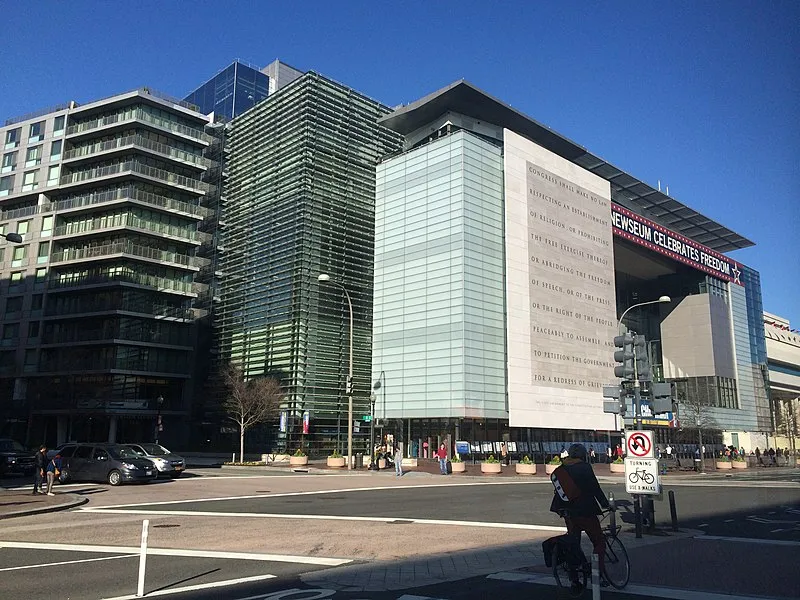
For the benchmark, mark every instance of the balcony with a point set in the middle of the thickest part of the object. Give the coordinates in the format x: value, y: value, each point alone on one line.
x: 142, y: 116
x: 131, y: 221
x: 137, y: 141
x: 133, y: 166
x: 133, y: 194
x: 152, y: 281
x: 123, y: 248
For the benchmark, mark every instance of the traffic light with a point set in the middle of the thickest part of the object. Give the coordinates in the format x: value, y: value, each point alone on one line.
x: 349, y: 385
x: 641, y: 358
x: 661, y: 400
x: 626, y: 357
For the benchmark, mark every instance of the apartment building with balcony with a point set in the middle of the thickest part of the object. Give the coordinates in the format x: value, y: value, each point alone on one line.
x: 100, y: 301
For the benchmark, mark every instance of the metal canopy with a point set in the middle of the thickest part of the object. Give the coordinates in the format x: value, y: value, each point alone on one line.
x: 464, y: 98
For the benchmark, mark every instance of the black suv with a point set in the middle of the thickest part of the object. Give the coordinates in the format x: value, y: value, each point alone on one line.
x: 113, y: 463
x: 15, y: 459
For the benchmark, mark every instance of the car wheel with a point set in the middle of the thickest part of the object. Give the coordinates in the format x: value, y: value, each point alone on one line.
x: 115, y: 477
x: 64, y: 477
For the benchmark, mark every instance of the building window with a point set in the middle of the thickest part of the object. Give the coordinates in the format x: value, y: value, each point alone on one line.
x: 10, y: 333
x: 58, y: 124
x: 52, y: 174
x: 9, y: 162
x: 37, y: 302
x: 30, y: 361
x: 16, y: 277
x: 33, y: 329
x: 19, y: 255
x: 44, y: 252
x: 6, y: 185
x: 55, y: 149
x: 12, y: 138
x: 36, y: 132
x: 41, y: 274
x: 30, y: 181
x: 23, y: 226
x: 33, y: 156
x: 13, y: 306
x: 47, y: 225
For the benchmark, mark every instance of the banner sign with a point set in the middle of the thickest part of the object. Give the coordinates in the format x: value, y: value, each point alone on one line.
x: 646, y: 233
x: 306, y: 422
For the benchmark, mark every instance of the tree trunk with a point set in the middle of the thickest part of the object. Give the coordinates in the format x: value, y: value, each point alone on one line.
x: 702, y: 454
x: 241, y: 443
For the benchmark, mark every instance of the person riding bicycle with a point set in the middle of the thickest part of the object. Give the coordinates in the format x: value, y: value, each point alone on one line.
x: 577, y: 496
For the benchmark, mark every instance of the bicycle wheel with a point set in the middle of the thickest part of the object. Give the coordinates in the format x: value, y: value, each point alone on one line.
x: 572, y: 579
x: 616, y: 567
x: 633, y: 477
x: 649, y: 479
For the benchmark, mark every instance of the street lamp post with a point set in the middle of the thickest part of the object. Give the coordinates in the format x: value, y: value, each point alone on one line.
x: 636, y: 388
x: 159, y: 403
x: 375, y: 387
x: 14, y: 238
x: 324, y: 278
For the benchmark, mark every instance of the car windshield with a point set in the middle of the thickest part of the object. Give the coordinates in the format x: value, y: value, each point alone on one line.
x: 155, y: 449
x: 120, y: 452
x: 11, y: 446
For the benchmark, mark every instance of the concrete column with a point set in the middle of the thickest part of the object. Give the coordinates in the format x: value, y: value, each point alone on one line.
x: 112, y: 429
x: 61, y: 430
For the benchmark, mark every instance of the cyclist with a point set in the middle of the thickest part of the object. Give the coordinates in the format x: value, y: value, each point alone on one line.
x: 577, y: 496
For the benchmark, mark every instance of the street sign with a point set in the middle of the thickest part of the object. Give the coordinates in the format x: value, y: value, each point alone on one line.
x: 356, y: 426
x: 366, y: 418
x: 641, y: 476
x: 639, y: 444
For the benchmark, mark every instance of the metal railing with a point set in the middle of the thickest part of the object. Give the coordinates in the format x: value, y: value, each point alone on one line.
x: 131, y: 193
x: 136, y: 167
x: 130, y: 220
x: 142, y: 142
x: 139, y: 115
x: 124, y: 247
x: 144, y: 279
x: 37, y: 113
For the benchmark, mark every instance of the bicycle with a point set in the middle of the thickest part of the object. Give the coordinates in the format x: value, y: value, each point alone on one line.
x: 572, y: 570
x: 641, y: 475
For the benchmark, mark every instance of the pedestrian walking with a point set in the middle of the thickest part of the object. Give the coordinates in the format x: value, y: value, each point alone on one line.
x: 38, y: 475
x: 398, y: 460
x: 609, y: 454
x: 503, y: 453
x: 441, y: 454
x: 771, y: 453
x: 592, y: 455
x: 758, y: 456
x: 53, y: 471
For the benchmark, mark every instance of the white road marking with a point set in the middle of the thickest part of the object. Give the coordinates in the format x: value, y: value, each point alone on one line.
x: 641, y: 590
x: 729, y: 520
x: 409, y: 597
x: 311, y: 493
x: 68, y: 562
x: 306, y: 560
x: 748, y: 540
x: 194, y: 588
x: 703, y: 525
x: 193, y: 513
x: 777, y: 530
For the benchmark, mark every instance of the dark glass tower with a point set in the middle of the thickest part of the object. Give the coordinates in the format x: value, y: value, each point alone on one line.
x: 231, y: 91
x: 299, y: 201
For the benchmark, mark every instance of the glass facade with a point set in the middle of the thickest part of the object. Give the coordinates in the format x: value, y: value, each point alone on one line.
x: 299, y: 201
x: 439, y: 325
x: 230, y: 92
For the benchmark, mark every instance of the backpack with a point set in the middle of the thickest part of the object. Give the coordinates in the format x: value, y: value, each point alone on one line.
x: 565, y: 486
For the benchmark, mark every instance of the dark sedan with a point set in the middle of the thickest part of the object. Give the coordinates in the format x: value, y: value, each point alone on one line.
x: 14, y: 458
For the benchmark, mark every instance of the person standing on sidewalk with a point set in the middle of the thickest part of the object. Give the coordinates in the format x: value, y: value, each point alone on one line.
x: 41, y: 464
x: 503, y: 454
x: 53, y: 471
x: 441, y: 454
x: 398, y: 460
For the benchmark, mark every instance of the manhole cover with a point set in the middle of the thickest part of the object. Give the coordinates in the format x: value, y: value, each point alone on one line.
x: 263, y: 491
x: 165, y: 525
x: 400, y: 522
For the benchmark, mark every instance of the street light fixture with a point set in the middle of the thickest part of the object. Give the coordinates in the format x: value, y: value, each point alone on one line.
x: 636, y: 389
x: 325, y: 278
x: 375, y: 387
x: 14, y: 238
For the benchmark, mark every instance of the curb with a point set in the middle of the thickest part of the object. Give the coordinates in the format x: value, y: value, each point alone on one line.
x: 72, y: 503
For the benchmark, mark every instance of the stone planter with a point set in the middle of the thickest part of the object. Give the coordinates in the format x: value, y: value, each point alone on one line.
x: 381, y: 463
x: 298, y: 461
x: 723, y: 464
x: 490, y: 468
x: 337, y: 462
x: 738, y: 464
x: 523, y: 469
x: 548, y: 468
x: 459, y: 467
x: 617, y: 467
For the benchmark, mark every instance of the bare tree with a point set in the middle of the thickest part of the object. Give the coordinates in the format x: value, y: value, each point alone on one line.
x: 249, y: 401
x: 694, y: 415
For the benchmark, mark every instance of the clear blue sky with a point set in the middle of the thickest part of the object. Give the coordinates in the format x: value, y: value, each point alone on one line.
x: 704, y: 96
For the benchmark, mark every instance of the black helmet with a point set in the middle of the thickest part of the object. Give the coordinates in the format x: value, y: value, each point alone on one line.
x: 577, y: 451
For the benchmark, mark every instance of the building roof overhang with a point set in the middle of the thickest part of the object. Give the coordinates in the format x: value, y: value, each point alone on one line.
x: 464, y: 98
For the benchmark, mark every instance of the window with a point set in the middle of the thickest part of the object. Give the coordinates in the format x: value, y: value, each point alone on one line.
x: 37, y: 301
x: 41, y: 274
x: 30, y: 181
x: 6, y: 185
x: 58, y: 124
x: 9, y: 162
x: 36, y: 132
x: 47, y: 225
x: 11, y: 331
x: 44, y: 252
x: 12, y: 138
x: 22, y: 227
x: 2, y: 254
x: 55, y: 149
x: 83, y: 452
x: 13, y: 305
x: 33, y: 156
x: 33, y: 329
x: 52, y: 174
x: 100, y: 454
x: 16, y: 278
x: 31, y: 360
x: 19, y: 255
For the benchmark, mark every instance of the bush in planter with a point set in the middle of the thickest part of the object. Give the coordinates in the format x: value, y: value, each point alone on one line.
x: 334, y: 454
x: 618, y: 461
x: 299, y: 452
x: 456, y: 458
x: 526, y: 460
x: 556, y: 460
x: 491, y: 459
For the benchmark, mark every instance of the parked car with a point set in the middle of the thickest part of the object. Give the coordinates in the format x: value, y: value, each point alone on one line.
x: 167, y: 463
x: 113, y: 463
x: 14, y: 458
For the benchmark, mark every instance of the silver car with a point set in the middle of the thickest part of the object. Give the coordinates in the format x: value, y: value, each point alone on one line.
x: 167, y: 463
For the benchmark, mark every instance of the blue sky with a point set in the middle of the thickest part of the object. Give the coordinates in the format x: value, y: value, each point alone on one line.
x: 701, y: 96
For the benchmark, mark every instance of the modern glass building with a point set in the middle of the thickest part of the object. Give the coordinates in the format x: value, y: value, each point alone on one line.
x: 505, y: 255
x: 298, y: 202
x: 98, y: 301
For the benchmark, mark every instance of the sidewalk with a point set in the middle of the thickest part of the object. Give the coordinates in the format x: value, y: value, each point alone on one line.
x: 22, y: 504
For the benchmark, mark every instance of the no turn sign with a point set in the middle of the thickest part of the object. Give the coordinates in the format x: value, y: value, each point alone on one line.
x: 639, y: 444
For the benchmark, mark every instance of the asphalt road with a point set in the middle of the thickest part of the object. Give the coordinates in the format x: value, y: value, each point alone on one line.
x: 752, y: 512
